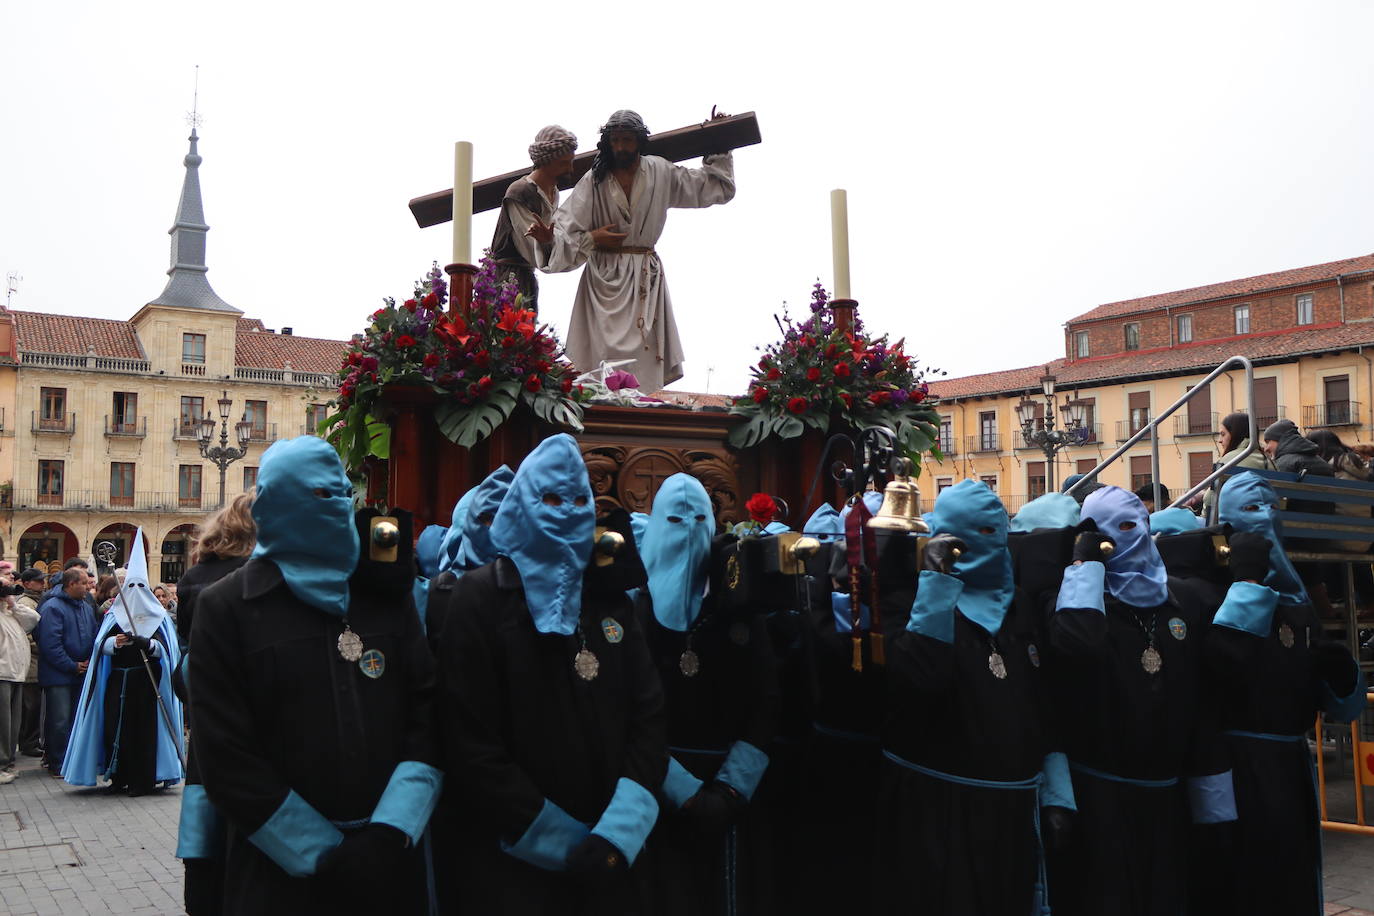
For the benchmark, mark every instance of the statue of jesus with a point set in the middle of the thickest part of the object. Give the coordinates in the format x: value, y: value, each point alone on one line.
x: 610, y: 222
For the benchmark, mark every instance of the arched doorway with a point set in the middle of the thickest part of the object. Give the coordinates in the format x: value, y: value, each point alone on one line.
x: 176, y: 546
x: 112, y: 545
x: 47, y: 545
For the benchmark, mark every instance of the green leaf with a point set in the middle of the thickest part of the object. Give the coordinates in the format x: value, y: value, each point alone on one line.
x: 468, y: 424
x: 379, y: 439
x: 752, y: 432
x: 557, y: 410
x: 791, y: 428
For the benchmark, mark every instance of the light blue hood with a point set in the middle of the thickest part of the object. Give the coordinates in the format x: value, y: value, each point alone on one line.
x: 1135, y: 571
x: 677, y: 549
x: 963, y: 510
x: 1053, y: 510
x: 475, y: 549
x: 1249, y: 503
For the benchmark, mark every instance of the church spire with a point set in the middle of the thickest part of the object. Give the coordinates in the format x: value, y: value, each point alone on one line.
x: 187, y: 286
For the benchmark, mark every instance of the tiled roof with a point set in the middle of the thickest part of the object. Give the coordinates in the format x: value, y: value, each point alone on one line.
x: 73, y: 334
x: 1186, y: 360
x: 265, y: 350
x: 1284, y: 278
x: 251, y: 324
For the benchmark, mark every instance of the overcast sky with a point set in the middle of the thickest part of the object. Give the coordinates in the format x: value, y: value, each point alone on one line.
x: 1009, y: 165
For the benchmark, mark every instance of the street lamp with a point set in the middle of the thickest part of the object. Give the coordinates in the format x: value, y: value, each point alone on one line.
x: 223, y: 454
x: 1043, y: 434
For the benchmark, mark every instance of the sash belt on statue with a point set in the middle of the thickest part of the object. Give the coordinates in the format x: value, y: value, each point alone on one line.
x: 626, y: 249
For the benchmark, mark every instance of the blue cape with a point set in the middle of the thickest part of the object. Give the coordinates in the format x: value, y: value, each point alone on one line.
x: 1135, y: 572
x: 676, y: 551
x: 1173, y: 521
x: 475, y: 548
x: 550, y: 545
x: 1249, y: 504
x: 304, y: 513
x: 1053, y: 510
x: 985, y: 567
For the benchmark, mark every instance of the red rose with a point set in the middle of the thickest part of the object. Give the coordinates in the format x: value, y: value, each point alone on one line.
x: 774, y: 375
x: 760, y: 395
x: 508, y: 342
x: 484, y: 382
x: 482, y: 358
x: 533, y: 383
x: 842, y: 370
x: 431, y: 360
x: 378, y: 314
x: 848, y: 401
x: 431, y: 301
x: 813, y: 374
x: 879, y: 397
x: 567, y: 385
x: 798, y: 405
x: 830, y: 352
x: 404, y: 341
x: 409, y: 305
x: 761, y: 508
x: 763, y: 363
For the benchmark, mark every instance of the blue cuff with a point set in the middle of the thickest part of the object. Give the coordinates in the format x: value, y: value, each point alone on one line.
x: 743, y: 768
x: 932, y: 613
x: 1083, y: 587
x: 679, y: 785
x: 409, y: 799
x: 1346, y: 708
x: 1249, y: 607
x: 1057, y: 789
x: 200, y: 834
x: 548, y: 839
x: 296, y: 837
x: 844, y: 620
x: 1212, y: 798
x: 629, y: 817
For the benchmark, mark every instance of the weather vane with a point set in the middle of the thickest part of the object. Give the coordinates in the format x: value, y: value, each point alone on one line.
x: 193, y: 118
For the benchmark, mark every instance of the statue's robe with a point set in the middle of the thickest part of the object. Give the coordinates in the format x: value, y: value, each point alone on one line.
x: 516, y: 253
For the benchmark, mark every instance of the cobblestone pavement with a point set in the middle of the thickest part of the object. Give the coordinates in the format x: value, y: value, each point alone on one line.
x: 73, y: 851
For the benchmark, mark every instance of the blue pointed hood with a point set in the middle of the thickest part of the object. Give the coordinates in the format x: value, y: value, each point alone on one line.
x: 1177, y: 520
x: 824, y: 524
x: 964, y: 510
x: 427, y: 550
x: 1053, y: 510
x: 453, y: 538
x: 677, y: 550
x: 1135, y: 571
x: 476, y: 548
x: 550, y: 545
x: 1249, y: 503
x: 304, y: 513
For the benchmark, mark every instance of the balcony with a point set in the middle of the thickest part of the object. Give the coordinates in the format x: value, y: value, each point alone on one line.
x: 267, y: 432
x: 946, y: 446
x: 193, y: 369
x: 1271, y: 415
x: 1125, y: 429
x: 1332, y: 413
x: 64, y: 425
x: 136, y: 428
x: 1188, y: 425
x: 983, y: 442
x: 103, y: 501
x: 184, y: 428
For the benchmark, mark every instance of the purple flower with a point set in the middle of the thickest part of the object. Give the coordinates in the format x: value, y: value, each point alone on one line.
x: 900, y: 396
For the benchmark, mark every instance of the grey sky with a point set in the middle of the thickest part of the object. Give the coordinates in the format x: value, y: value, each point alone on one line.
x: 1009, y: 165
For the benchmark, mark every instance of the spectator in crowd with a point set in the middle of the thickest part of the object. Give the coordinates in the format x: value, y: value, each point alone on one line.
x: 105, y: 593
x: 30, y: 733
x: 120, y: 573
x: 66, y: 637
x: 225, y: 542
x: 1146, y: 494
x: 1348, y: 465
x: 160, y: 593
x: 16, y: 622
x: 1234, y: 437
x: 1294, y: 453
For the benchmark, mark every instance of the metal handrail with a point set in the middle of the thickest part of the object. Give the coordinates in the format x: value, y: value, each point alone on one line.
x: 1151, y: 427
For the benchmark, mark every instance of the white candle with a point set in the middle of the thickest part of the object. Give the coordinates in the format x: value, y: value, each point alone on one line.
x: 839, y: 241
x: 462, y: 202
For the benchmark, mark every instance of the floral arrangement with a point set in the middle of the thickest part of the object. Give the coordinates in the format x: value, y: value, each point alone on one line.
x: 480, y: 365
x: 762, y: 509
x: 819, y: 373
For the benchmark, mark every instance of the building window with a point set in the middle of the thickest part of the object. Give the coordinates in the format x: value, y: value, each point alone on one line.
x: 121, y: 483
x: 1242, y: 319
x: 1336, y: 392
x: 947, y: 435
x: 990, y: 481
x: 987, y: 431
x: 192, y: 411
x: 50, y: 483
x: 315, y: 414
x: 1035, y: 479
x: 1080, y: 344
x: 1140, y: 472
x: 1084, y: 465
x: 1138, y: 404
x: 188, y: 485
x: 255, y: 412
x: 53, y: 408
x: 250, y: 479
x: 942, y: 484
x: 1305, y: 308
x: 1185, y: 328
x: 124, y: 412
x: 193, y: 348
x: 1133, y: 336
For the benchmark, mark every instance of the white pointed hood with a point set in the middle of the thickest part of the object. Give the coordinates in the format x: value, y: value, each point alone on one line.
x: 136, y: 608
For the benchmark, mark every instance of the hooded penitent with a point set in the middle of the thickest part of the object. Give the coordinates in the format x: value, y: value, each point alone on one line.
x: 1248, y: 503
x: 1177, y: 520
x: 545, y: 526
x: 1053, y: 510
x: 453, y: 538
x: 476, y: 549
x: 427, y: 550
x: 1135, y: 572
x: 304, y: 513
x: 973, y: 513
x: 136, y: 609
x: 677, y: 547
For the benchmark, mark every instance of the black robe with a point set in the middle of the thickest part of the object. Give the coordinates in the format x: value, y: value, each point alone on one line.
x: 277, y: 709
x: 948, y: 847
x: 132, y: 719
x: 733, y: 697
x: 519, y: 726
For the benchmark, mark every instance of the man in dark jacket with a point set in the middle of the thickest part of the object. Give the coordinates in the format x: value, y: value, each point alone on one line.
x: 1294, y: 453
x: 66, y: 636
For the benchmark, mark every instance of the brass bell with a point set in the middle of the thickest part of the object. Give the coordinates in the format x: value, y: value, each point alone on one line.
x: 901, y: 508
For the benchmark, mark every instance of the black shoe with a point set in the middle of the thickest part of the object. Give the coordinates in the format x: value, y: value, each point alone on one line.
x: 31, y: 751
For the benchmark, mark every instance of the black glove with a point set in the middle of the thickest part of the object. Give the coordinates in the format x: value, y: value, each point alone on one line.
x: 1088, y: 547
x: 1335, y: 666
x: 375, y: 849
x: 142, y: 643
x: 596, y: 860
x: 1249, y: 556
x: 713, y: 808
x: 204, y: 892
x: 1056, y: 826
x: 939, y: 554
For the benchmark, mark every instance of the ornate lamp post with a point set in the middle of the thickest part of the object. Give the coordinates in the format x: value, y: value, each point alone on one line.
x: 1044, y: 435
x: 223, y: 454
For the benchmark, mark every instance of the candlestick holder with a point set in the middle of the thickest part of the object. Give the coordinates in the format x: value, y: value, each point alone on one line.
x: 460, y: 289
x: 843, y: 310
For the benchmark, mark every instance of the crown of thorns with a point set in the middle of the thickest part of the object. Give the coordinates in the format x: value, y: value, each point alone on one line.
x: 625, y: 120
